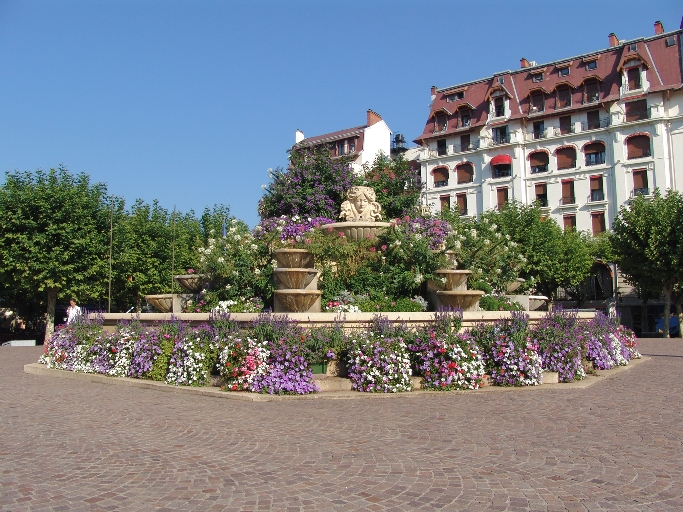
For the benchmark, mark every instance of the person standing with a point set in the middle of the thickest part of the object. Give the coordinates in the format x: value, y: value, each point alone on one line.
x: 73, y: 311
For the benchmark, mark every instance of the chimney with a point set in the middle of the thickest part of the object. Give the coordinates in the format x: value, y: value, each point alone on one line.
x: 523, y: 63
x: 613, y: 40
x: 659, y: 28
x: 373, y: 117
x: 299, y: 136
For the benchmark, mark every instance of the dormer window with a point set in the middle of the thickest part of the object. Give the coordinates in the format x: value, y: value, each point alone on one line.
x: 592, y: 65
x: 633, y: 47
x: 537, y: 102
x: 440, y: 122
x: 670, y: 41
x: 346, y: 147
x: 465, y: 118
x: 592, y: 91
x: 633, y: 78
x: 501, y: 80
x: 564, y: 97
x: 537, y: 77
x: 455, y: 96
x: 498, y: 106
x: 563, y: 71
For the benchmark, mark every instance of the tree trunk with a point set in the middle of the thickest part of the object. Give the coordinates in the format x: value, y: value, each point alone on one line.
x: 667, y: 310
x: 644, y: 327
x: 50, y: 320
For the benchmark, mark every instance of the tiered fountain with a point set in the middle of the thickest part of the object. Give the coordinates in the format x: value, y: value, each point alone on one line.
x: 296, y: 282
x: 361, y: 211
x: 451, y: 288
x: 175, y: 302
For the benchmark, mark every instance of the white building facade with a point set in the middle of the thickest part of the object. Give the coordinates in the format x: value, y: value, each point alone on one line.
x: 580, y: 135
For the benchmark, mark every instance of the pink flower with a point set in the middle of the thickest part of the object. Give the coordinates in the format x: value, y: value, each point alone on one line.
x: 384, y: 247
x: 190, y: 271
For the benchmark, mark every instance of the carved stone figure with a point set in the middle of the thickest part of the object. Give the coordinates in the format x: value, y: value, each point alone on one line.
x: 361, y: 205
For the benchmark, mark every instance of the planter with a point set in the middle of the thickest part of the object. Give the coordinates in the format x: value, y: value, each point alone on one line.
x: 193, y: 283
x: 319, y: 368
x: 162, y: 303
x: 336, y: 368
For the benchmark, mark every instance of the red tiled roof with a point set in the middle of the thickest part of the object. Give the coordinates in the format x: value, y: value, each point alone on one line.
x: 663, y: 71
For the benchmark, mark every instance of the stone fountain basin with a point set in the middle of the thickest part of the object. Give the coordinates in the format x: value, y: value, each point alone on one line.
x: 297, y: 301
x: 467, y: 300
x: 163, y: 303
x: 295, y: 278
x: 515, y: 284
x: 293, y: 258
x: 193, y: 283
x: 357, y: 230
x: 455, y: 279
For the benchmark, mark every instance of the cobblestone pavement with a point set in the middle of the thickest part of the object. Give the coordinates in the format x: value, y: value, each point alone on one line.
x: 71, y: 445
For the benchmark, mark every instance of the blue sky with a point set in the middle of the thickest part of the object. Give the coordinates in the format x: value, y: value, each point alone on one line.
x: 191, y: 102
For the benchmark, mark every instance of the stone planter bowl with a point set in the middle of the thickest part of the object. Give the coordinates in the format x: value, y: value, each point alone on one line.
x: 193, y: 283
x: 163, y: 303
x: 293, y: 258
x: 355, y: 231
x: 298, y: 301
x: 295, y: 278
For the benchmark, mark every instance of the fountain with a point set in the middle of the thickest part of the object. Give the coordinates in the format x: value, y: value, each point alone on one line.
x: 361, y: 211
x: 450, y: 289
x: 296, y: 282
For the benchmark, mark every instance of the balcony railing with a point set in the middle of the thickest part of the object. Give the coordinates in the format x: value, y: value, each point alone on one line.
x: 535, y: 169
x: 539, y: 134
x: 542, y: 201
x: 637, y: 115
x: 640, y: 192
x: 500, y: 139
x: 442, y: 150
x: 501, y: 173
x: 566, y: 200
x: 499, y: 112
x: 595, y: 159
x: 603, y: 122
x: 441, y: 128
x: 563, y: 130
x: 592, y: 97
x: 596, y: 195
x: 438, y: 184
x: 461, y: 148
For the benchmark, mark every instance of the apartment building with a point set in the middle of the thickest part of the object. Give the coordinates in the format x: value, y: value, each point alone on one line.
x: 361, y: 143
x: 580, y: 135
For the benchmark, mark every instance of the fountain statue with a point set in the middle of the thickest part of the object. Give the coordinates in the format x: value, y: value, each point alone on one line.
x: 361, y: 213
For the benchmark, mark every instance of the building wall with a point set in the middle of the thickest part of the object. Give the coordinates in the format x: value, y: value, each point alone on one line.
x: 377, y: 139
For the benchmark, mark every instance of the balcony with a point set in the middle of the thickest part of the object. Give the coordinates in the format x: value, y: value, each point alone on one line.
x: 501, y: 173
x: 500, y: 139
x: 637, y: 115
x: 535, y: 169
x: 595, y: 159
x: 567, y: 200
x: 441, y: 151
x: 596, y: 195
x: 461, y: 148
x: 438, y: 184
x: 640, y: 192
x: 602, y: 122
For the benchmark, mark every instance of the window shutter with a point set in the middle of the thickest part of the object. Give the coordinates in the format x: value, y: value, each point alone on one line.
x: 638, y: 146
x: 569, y: 222
x: 465, y: 142
x: 598, y: 221
x: 540, y: 189
x: 636, y: 110
x: 538, y: 158
x: 502, y: 194
x: 440, y: 174
x: 462, y: 203
x: 445, y: 202
x: 465, y: 173
x: 596, y: 182
x: 595, y: 147
x: 566, y: 158
x: 568, y: 191
x: 633, y: 75
x: 640, y: 179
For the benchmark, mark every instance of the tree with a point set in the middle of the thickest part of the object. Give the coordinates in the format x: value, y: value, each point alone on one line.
x: 53, y: 235
x: 648, y: 247
x: 397, y: 185
x: 314, y: 185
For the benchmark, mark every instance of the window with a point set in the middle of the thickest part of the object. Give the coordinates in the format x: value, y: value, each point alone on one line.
x: 501, y: 171
x: 445, y: 203
x: 539, y: 130
x: 462, y: 203
x: 537, y: 77
x: 568, y: 192
x: 502, y: 196
x: 592, y: 65
x: 595, y: 153
x: 346, y: 147
x: 440, y: 177
x: 539, y: 162
x: 499, y: 106
x: 633, y: 78
x: 465, y: 119
x: 501, y: 80
x: 566, y: 158
x: 593, y: 118
x: 455, y: 96
x: 465, y: 173
x: 597, y: 192
x: 501, y: 135
x: 592, y: 91
x: 670, y: 41
x: 638, y: 146
x: 569, y: 222
x: 537, y: 102
x: 564, y: 97
x: 636, y: 110
x: 440, y: 122
x: 465, y: 143
x: 563, y: 71
x: 566, y: 125
x: 441, y: 147
x: 633, y: 47
x: 640, y: 184
x: 541, y: 190
x: 598, y: 221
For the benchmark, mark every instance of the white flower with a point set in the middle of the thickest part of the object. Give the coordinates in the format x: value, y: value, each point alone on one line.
x: 253, y: 247
x: 257, y: 271
x: 221, y: 260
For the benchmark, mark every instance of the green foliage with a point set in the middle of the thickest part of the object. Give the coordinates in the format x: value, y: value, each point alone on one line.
x: 499, y: 303
x: 53, y: 235
x: 397, y: 185
x: 169, y: 332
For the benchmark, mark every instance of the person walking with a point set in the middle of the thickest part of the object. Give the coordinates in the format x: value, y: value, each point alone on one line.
x: 73, y: 311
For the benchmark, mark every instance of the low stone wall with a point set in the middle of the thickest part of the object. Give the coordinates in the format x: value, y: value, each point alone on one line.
x: 350, y: 320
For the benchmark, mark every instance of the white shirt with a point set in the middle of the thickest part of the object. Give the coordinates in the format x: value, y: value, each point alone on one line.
x: 73, y: 312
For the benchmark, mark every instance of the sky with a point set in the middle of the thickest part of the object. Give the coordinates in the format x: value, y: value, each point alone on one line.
x: 190, y: 103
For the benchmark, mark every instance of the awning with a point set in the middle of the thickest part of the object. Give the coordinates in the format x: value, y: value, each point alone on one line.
x: 501, y: 159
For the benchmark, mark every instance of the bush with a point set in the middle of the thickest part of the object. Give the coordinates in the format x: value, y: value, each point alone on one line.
x: 560, y: 339
x: 378, y: 364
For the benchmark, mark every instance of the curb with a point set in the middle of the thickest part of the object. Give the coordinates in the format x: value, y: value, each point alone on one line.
x: 40, y: 370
